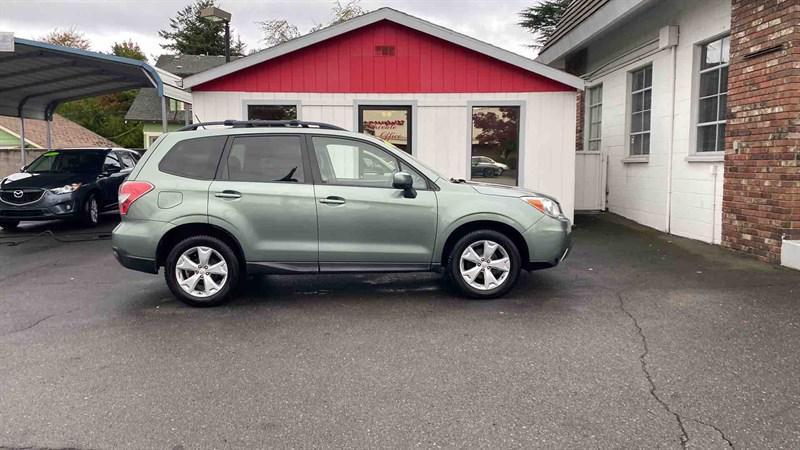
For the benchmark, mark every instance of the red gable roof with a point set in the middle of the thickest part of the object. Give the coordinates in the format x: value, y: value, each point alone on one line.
x: 379, y: 57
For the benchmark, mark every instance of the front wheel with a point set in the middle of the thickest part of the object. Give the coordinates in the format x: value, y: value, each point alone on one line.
x: 202, y: 271
x: 90, y: 212
x: 484, y: 264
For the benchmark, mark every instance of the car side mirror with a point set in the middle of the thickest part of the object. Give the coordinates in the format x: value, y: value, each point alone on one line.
x: 403, y: 180
x: 22, y: 169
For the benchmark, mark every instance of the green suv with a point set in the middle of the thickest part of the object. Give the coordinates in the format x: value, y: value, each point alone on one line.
x: 211, y: 205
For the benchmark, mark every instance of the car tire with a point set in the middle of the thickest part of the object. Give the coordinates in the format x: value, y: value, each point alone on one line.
x: 9, y: 225
x: 195, y: 255
x: 90, y: 211
x: 488, y: 172
x: 461, y: 266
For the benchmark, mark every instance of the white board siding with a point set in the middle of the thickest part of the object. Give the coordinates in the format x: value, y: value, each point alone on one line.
x: 442, y: 121
x: 689, y: 202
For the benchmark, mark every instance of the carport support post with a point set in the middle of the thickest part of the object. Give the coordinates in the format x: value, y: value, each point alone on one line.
x: 22, y: 139
x: 49, y: 134
x: 163, y: 113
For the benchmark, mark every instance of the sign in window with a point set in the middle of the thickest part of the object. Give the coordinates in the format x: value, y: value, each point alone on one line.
x: 390, y: 123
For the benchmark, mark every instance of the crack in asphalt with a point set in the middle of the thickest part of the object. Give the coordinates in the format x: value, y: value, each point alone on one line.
x: 37, y: 322
x: 717, y: 429
x: 684, y: 439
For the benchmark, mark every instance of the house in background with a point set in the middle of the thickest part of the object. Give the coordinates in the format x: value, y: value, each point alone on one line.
x: 146, y: 108
x: 65, y: 134
x: 689, y: 122
x: 452, y: 101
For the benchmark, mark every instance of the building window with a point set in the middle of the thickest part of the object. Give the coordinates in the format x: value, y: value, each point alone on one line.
x: 271, y: 112
x: 594, y: 117
x: 495, y: 144
x: 390, y: 123
x: 713, y: 95
x: 641, y: 103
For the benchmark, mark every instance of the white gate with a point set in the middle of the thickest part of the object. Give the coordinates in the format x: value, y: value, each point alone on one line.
x: 590, y: 181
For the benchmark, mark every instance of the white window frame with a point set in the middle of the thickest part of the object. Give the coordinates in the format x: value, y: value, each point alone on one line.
x: 587, y: 125
x: 644, y: 157
x: 694, y: 154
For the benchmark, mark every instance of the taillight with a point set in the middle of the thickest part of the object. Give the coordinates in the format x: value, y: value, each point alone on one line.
x: 130, y: 191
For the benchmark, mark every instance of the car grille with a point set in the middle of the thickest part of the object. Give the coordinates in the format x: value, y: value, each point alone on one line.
x: 21, y: 196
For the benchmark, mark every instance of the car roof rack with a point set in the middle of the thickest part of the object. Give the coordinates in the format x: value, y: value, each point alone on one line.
x: 264, y: 124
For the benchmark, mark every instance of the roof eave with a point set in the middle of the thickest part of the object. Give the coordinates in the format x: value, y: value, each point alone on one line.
x: 397, y: 17
x: 601, y: 21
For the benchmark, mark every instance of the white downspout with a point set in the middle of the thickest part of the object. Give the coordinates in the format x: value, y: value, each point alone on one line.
x: 669, y: 36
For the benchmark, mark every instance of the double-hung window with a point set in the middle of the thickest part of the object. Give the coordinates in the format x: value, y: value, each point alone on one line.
x: 713, y: 95
x: 594, y: 117
x: 641, y: 104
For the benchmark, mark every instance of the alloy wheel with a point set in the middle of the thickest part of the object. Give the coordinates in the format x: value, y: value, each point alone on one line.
x: 201, y: 271
x: 93, y: 210
x: 485, y: 265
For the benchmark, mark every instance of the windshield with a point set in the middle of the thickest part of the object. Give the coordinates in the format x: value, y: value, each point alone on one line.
x: 416, y: 161
x: 71, y: 161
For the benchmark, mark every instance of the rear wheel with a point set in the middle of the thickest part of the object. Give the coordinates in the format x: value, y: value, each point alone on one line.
x: 90, y: 212
x: 488, y: 172
x: 9, y: 225
x: 202, y: 271
x: 484, y: 264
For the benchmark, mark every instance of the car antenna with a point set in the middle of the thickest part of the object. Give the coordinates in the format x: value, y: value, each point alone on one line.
x: 200, y: 121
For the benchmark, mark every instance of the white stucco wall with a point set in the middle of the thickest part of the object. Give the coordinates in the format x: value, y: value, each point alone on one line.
x: 642, y: 191
x: 441, y: 128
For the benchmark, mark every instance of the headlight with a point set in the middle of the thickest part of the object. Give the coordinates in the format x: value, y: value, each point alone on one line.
x: 66, y: 189
x: 545, y: 205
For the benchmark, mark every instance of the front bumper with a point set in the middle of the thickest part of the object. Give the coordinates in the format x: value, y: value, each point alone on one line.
x: 549, y: 242
x: 50, y: 206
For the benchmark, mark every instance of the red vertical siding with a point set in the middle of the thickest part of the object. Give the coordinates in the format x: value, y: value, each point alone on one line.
x: 349, y: 63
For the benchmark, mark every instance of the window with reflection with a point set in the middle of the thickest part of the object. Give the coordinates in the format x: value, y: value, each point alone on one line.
x: 712, y: 104
x: 495, y: 144
x: 271, y: 112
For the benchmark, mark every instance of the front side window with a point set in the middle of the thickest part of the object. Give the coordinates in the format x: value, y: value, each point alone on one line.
x: 495, y: 144
x: 266, y: 159
x: 594, y: 118
x: 271, y: 112
x: 194, y: 158
x: 641, y: 104
x: 713, y: 95
x: 356, y: 163
x: 112, y: 163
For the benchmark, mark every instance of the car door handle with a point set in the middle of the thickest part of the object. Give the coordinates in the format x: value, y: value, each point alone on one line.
x: 228, y: 194
x: 332, y: 200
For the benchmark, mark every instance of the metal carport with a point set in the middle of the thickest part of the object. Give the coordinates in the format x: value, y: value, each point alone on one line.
x: 36, y: 77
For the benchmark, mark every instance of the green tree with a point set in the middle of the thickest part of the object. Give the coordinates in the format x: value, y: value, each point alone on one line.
x: 541, y: 19
x: 128, y: 49
x: 105, y: 114
x: 190, y: 34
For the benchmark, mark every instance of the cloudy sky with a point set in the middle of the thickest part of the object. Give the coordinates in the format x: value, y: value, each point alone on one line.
x: 104, y: 22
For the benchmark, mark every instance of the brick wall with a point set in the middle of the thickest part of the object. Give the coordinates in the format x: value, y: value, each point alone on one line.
x: 761, y: 196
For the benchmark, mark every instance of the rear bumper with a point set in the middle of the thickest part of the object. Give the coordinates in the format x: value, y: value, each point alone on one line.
x: 135, y: 262
x: 549, y: 242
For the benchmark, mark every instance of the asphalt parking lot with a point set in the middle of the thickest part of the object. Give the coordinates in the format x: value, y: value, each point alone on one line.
x: 637, y: 340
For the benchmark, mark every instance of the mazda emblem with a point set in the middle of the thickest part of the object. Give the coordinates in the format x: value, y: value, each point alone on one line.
x: 18, y: 194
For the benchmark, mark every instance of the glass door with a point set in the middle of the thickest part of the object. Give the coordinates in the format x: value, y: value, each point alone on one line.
x: 390, y: 123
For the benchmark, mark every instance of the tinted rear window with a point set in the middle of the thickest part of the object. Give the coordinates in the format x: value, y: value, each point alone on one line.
x: 194, y: 158
x: 266, y: 159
